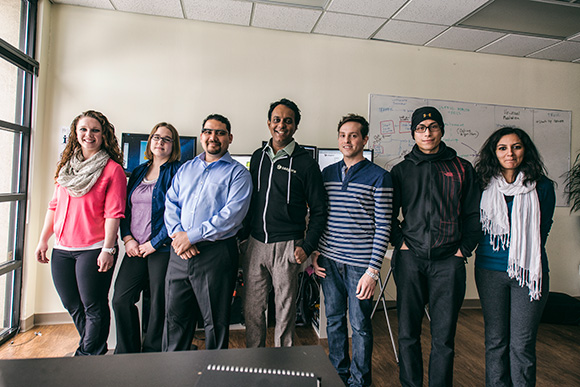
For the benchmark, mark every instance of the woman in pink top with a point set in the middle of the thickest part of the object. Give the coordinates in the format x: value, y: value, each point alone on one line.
x: 84, y: 216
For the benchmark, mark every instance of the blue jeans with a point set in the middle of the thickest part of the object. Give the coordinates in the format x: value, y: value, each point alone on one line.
x: 511, y: 327
x: 339, y: 289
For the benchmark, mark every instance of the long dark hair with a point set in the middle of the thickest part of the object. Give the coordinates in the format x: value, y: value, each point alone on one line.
x: 487, y: 165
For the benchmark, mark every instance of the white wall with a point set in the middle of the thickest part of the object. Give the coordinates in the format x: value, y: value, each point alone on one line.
x: 140, y: 70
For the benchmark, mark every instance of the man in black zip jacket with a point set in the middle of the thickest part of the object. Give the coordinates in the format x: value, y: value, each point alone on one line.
x: 287, y: 185
x: 439, y: 198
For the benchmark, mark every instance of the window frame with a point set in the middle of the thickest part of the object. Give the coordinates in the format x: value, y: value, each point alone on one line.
x: 23, y: 59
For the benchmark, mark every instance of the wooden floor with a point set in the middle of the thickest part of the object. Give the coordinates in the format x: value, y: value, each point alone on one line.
x: 558, y: 349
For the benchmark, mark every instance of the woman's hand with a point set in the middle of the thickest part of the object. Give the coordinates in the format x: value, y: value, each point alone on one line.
x: 146, y: 249
x: 132, y: 248
x: 105, y: 261
x: 318, y: 270
x: 40, y: 252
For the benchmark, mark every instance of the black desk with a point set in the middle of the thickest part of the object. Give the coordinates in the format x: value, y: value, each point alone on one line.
x: 160, y: 369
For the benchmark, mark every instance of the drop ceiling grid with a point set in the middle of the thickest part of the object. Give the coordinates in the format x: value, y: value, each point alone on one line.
x: 518, y: 45
x: 443, y: 12
x: 375, y: 8
x: 102, y: 4
x: 352, y: 26
x: 170, y: 8
x: 219, y: 11
x: 408, y: 32
x: 564, y: 51
x: 284, y: 18
x: 464, y: 39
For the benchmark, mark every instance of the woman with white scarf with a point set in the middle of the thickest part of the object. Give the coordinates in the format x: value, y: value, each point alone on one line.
x: 511, y: 266
x: 84, y: 216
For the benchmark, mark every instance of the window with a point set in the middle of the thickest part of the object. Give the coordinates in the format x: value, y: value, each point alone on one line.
x: 17, y: 71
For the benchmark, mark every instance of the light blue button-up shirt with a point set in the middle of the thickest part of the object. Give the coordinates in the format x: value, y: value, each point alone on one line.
x: 208, y: 201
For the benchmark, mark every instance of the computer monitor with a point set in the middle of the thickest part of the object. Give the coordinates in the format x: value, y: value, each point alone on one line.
x: 135, y: 144
x: 328, y: 156
x: 243, y: 159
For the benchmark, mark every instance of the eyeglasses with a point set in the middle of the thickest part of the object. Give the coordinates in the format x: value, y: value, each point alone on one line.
x: 218, y: 132
x: 433, y: 128
x: 166, y: 140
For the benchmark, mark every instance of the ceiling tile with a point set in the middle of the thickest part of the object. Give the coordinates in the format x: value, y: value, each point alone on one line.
x: 575, y: 38
x: 443, y: 12
x: 408, y: 32
x: 170, y: 8
x: 565, y: 51
x: 518, y: 45
x: 284, y: 18
x: 103, y: 4
x: 456, y: 38
x: 375, y: 8
x: 352, y: 26
x: 219, y: 11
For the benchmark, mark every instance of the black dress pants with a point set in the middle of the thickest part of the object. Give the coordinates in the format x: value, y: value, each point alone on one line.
x: 84, y: 292
x: 135, y: 275
x: 441, y: 284
x: 205, y: 283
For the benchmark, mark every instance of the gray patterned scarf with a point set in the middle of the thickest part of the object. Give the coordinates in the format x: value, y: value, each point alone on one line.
x: 79, y: 175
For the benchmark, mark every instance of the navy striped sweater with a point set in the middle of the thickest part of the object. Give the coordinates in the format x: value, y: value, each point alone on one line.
x: 359, y: 214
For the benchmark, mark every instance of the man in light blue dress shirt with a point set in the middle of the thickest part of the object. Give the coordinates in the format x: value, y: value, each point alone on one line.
x: 208, y: 199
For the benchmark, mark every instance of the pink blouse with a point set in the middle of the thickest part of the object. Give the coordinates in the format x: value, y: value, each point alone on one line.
x: 80, y: 221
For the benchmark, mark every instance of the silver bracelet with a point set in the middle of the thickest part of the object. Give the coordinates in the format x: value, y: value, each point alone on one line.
x: 372, y: 275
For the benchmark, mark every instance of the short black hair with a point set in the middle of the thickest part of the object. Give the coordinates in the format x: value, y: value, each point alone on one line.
x: 289, y: 104
x: 351, y: 117
x: 220, y: 118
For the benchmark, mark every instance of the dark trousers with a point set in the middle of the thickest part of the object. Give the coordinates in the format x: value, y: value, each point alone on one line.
x: 441, y: 284
x: 205, y: 283
x: 84, y: 292
x: 135, y: 275
x: 511, y: 327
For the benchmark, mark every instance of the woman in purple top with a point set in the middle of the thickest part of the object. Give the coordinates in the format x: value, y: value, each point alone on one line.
x: 146, y: 244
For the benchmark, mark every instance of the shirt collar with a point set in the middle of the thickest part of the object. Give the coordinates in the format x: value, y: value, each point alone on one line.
x: 288, y: 149
x: 226, y: 157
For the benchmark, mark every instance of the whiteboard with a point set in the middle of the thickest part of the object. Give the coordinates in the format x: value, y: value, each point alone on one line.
x: 467, y: 126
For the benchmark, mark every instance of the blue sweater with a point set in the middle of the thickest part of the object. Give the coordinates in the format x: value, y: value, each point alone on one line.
x: 159, y: 238
x: 488, y: 259
x: 359, y: 214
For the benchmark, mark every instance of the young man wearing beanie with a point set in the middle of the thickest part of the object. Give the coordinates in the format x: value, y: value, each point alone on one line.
x: 439, y: 197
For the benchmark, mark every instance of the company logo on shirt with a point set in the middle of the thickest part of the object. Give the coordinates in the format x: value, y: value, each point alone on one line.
x: 286, y: 168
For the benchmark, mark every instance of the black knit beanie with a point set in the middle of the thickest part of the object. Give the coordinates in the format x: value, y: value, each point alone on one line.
x: 426, y: 113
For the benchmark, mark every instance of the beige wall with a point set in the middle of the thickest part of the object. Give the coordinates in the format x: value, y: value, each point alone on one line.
x: 139, y: 70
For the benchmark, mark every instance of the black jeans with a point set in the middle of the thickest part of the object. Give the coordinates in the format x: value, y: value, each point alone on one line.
x: 84, y: 292
x: 135, y: 275
x: 441, y: 284
x: 203, y: 283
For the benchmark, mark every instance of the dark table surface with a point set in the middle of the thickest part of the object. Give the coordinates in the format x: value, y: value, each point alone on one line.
x: 160, y: 369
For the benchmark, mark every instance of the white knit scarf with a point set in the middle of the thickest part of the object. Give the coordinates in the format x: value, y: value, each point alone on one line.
x: 79, y: 175
x: 523, y: 237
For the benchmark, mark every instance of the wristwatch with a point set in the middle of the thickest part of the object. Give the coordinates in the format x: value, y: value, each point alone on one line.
x: 372, y: 275
x: 110, y: 250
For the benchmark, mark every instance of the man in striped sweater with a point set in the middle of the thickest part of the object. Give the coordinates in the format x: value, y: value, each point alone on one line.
x: 352, y: 248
